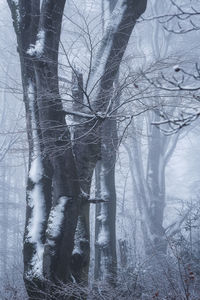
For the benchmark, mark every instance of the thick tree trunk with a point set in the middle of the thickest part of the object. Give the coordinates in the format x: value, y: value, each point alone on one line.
x: 39, y: 181
x: 53, y: 187
x: 65, y: 186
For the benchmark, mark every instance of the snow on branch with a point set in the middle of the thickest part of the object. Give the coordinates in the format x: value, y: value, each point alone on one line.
x: 187, y: 18
x: 176, y: 124
x: 175, y: 84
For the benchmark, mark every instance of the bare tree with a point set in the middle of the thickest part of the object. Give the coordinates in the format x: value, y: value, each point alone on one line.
x: 54, y: 186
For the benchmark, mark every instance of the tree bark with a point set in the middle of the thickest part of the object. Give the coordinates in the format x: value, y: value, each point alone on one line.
x: 52, y: 167
x: 86, y: 151
x: 53, y: 182
x: 105, y: 232
x: 116, y: 39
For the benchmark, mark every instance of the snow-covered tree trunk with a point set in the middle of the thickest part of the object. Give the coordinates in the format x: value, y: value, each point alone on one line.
x: 85, y: 148
x: 25, y: 20
x: 52, y: 190
x: 105, y: 264
x: 110, y: 53
x: 106, y: 67
x: 105, y: 232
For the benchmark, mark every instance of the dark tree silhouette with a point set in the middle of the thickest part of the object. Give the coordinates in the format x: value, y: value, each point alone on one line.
x: 59, y: 180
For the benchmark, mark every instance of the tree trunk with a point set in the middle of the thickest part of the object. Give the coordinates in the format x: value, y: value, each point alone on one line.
x: 115, y: 39
x: 105, y: 232
x: 86, y: 150
x: 53, y: 186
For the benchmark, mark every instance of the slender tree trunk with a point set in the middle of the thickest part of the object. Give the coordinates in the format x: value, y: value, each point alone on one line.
x: 105, y: 233
x: 105, y: 239
x: 150, y: 187
x: 86, y: 152
x: 5, y: 184
x: 156, y: 188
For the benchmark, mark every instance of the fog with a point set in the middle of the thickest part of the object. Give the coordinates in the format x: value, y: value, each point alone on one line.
x: 99, y: 161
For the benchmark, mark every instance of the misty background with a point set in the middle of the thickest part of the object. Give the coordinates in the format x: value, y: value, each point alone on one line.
x: 152, y: 49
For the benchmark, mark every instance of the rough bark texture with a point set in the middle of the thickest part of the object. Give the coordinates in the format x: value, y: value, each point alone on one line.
x: 105, y: 233
x: 46, y: 123
x: 105, y: 251
x: 86, y: 150
x: 38, y: 34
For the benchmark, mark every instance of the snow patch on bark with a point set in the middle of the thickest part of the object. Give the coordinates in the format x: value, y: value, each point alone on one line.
x: 56, y: 217
x: 101, y: 218
x: 99, y: 65
x: 79, y: 237
x: 36, y: 170
x: 36, y: 201
x: 34, y: 228
x: 35, y: 197
x: 103, y: 237
x: 16, y: 3
x: 104, y: 190
x: 37, y: 262
x: 38, y: 48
